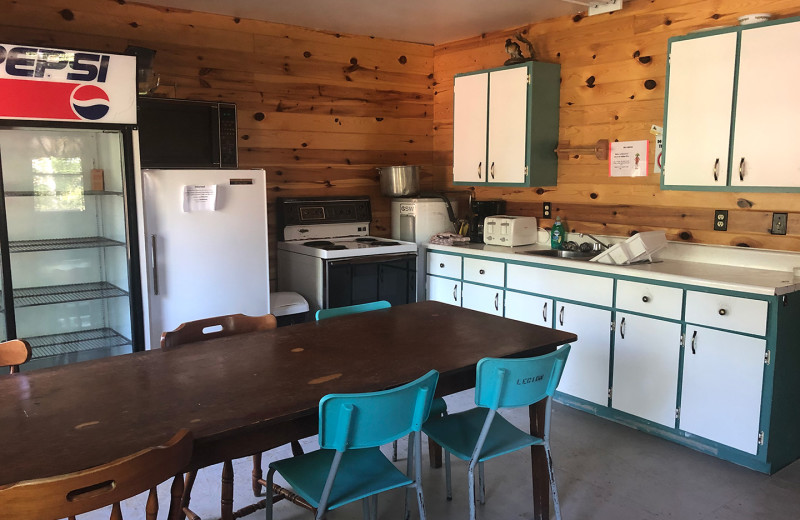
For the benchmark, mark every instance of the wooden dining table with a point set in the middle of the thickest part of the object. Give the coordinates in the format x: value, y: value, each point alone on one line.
x: 249, y: 393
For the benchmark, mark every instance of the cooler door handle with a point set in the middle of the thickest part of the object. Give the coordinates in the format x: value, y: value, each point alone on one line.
x: 154, y: 260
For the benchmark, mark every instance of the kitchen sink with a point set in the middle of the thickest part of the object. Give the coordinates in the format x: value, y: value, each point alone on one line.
x: 562, y: 253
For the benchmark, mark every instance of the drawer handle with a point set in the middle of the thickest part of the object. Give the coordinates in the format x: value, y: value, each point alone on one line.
x: 741, y: 169
x: 455, y: 293
x: 479, y: 169
x: 622, y: 329
x: 694, y: 343
x: 723, y: 312
x: 645, y: 299
x: 544, y: 312
x: 716, y: 170
x: 497, y: 301
x: 561, y: 316
x: 482, y: 271
x: 441, y: 266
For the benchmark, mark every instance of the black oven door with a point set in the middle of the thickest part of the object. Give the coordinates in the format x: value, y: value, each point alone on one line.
x: 364, y: 279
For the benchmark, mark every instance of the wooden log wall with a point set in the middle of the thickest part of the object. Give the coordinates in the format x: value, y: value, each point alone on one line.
x: 318, y: 111
x: 613, y: 75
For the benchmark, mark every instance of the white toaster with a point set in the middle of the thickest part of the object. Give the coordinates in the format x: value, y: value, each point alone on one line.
x: 504, y: 230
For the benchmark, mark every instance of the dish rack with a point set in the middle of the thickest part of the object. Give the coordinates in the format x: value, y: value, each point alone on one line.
x: 639, y: 248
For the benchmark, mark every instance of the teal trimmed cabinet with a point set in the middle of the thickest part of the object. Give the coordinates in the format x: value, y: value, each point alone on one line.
x: 730, y: 115
x: 505, y: 126
x: 711, y: 369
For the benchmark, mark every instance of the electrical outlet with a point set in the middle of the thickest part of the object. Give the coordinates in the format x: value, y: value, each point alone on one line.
x: 779, y: 223
x: 721, y: 220
x: 546, y: 211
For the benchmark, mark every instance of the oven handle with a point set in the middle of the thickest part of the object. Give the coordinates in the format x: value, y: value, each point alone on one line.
x: 371, y: 259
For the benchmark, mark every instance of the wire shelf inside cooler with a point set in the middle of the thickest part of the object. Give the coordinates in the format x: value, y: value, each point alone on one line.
x: 32, y: 296
x: 56, y: 344
x: 57, y: 193
x: 26, y: 246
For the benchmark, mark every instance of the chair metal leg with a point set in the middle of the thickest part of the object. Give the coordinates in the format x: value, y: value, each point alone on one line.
x: 257, y: 474
x: 471, y: 489
x: 447, y: 478
x: 394, y: 451
x: 268, y: 491
x: 366, y: 514
x: 481, y: 485
x: 418, y: 474
x: 553, y: 489
x: 374, y: 508
x: 409, y: 469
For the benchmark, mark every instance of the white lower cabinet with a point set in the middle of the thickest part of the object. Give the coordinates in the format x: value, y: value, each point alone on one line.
x: 529, y: 308
x: 482, y: 298
x: 723, y: 376
x: 444, y: 290
x: 646, y: 364
x: 586, y: 372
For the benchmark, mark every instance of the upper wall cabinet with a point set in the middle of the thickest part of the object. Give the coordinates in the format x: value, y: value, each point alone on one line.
x: 506, y: 126
x: 731, y: 109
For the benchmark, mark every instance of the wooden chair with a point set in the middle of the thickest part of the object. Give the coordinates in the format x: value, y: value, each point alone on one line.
x: 63, y: 496
x: 13, y: 353
x: 220, y: 327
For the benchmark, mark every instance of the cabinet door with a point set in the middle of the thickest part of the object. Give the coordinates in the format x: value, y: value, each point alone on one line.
x: 483, y: 299
x: 508, y: 114
x: 469, y: 128
x: 721, y: 390
x: 646, y: 360
x: 698, y: 113
x: 444, y: 290
x: 765, y: 151
x: 586, y: 372
x: 529, y: 308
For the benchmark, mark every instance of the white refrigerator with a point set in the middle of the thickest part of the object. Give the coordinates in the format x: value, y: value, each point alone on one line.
x: 203, y: 246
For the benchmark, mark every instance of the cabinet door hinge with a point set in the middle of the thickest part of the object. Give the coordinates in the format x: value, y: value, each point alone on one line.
x: 613, y: 326
x: 677, y: 413
x: 526, y: 171
x: 767, y: 357
x: 529, y: 79
x: 760, y: 438
x: 610, y: 392
x: 683, y: 340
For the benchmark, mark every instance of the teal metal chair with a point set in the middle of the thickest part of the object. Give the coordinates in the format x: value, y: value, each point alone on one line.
x: 439, y: 407
x: 349, y: 465
x: 351, y: 309
x: 480, y: 434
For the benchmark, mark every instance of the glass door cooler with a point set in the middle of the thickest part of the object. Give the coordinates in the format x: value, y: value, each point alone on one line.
x: 66, y: 255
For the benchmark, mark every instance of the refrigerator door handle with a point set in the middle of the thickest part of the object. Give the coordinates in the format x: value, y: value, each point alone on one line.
x: 154, y: 260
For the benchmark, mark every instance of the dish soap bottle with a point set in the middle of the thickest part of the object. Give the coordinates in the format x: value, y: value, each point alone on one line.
x: 557, y: 234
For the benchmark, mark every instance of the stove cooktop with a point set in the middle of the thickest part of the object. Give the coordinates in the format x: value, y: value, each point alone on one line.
x: 343, y: 247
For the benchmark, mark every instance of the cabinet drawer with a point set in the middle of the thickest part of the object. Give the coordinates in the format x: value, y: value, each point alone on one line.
x: 655, y: 300
x: 484, y: 271
x: 595, y: 290
x: 727, y: 312
x: 444, y: 265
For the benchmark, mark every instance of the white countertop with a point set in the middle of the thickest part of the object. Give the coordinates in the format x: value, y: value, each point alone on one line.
x: 692, y: 264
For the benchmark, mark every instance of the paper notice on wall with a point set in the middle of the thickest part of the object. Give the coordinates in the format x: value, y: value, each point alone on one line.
x: 199, y: 198
x: 659, y: 153
x: 628, y: 159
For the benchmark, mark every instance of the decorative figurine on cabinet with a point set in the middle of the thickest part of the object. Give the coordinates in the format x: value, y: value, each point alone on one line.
x: 513, y: 49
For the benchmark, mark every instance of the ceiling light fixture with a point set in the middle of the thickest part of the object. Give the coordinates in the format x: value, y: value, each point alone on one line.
x: 606, y: 6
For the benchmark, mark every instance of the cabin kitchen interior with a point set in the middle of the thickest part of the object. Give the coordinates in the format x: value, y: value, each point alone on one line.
x: 320, y: 111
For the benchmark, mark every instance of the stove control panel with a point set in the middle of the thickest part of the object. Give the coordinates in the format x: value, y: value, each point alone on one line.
x: 323, y: 210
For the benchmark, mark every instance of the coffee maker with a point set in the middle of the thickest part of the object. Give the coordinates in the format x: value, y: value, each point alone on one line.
x: 480, y: 210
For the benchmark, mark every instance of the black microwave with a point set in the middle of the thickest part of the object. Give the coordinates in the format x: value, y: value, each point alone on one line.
x: 179, y: 133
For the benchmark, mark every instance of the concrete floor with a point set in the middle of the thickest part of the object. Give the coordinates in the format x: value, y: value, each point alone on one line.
x: 604, y: 471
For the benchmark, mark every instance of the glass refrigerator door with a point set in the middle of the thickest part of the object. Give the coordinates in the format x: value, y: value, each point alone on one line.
x: 65, y: 213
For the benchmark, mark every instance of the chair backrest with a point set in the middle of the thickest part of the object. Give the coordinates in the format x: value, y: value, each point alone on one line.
x: 375, y: 418
x: 505, y: 383
x: 13, y: 353
x: 216, y: 327
x: 351, y: 309
x: 76, y: 493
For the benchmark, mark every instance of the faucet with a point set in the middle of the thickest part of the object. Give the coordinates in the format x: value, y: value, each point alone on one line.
x: 603, y: 245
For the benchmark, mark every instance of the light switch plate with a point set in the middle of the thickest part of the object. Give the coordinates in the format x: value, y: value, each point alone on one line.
x: 778, y: 223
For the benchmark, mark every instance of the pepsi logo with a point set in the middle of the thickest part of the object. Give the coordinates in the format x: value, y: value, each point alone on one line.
x: 90, y: 102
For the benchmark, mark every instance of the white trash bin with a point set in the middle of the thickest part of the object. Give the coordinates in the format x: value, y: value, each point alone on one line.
x: 288, y: 308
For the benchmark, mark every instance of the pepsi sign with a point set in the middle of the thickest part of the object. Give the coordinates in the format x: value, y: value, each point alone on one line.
x: 66, y: 85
